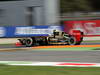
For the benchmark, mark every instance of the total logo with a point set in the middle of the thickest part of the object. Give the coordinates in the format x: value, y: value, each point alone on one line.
x: 2, y: 31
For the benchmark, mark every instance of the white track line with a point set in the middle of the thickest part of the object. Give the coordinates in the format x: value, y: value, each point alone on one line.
x: 67, y: 64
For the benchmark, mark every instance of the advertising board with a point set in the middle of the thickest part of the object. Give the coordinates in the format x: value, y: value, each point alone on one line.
x: 27, y: 31
x: 88, y: 27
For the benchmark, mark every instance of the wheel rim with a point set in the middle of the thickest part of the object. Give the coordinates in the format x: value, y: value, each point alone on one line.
x: 29, y: 42
x: 72, y: 41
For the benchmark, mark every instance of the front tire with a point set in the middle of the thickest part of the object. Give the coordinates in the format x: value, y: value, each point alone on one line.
x: 30, y: 42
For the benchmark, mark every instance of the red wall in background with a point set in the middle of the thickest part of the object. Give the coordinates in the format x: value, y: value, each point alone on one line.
x: 88, y: 27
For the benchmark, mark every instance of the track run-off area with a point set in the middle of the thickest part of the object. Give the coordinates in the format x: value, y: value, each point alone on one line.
x: 77, y: 55
x: 52, y: 48
x: 67, y: 47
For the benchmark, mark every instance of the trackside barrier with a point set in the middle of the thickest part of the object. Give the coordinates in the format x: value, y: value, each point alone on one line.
x: 88, y: 27
x: 27, y: 31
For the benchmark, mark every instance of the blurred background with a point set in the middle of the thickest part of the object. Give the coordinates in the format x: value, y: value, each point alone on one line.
x: 80, y: 9
x: 46, y: 12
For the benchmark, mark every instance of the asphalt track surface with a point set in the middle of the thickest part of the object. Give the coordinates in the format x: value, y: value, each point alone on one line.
x: 52, y: 56
x: 49, y: 56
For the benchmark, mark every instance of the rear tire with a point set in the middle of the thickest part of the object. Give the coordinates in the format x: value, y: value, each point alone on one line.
x: 71, y: 41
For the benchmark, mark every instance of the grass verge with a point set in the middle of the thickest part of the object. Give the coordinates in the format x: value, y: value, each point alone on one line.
x: 72, y: 49
x: 92, y: 41
x: 37, y: 70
